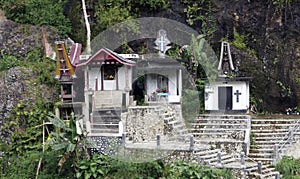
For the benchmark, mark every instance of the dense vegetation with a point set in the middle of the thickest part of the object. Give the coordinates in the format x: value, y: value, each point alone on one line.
x: 289, y: 167
x: 266, y: 47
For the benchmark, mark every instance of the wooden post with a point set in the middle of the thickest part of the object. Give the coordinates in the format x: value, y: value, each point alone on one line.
x: 158, y: 140
x: 277, y: 175
x: 275, y: 154
x: 291, y: 135
x: 123, y: 139
x: 259, y: 167
x: 191, y: 142
x: 243, y: 160
x: 219, y: 162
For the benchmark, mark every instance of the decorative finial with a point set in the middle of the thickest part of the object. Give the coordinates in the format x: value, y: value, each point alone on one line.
x: 162, y: 42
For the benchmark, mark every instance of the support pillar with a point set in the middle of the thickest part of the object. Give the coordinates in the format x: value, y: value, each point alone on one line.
x: 96, y: 84
x: 102, y: 78
x: 180, y: 82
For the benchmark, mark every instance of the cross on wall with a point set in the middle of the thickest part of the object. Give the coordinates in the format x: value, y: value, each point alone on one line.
x: 237, y: 93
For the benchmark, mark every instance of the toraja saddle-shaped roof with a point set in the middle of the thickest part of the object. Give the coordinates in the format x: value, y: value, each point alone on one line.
x: 106, y: 56
x: 65, y: 69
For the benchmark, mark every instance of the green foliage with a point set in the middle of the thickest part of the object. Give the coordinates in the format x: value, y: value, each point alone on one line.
x: 152, y: 4
x: 200, y: 16
x: 187, y: 170
x: 25, y: 166
x: 203, y: 56
x: 190, y: 104
x: 240, y: 41
x: 289, y: 167
x: 38, y: 12
x: 110, y: 12
x: 8, y: 61
x: 281, y: 3
x: 105, y: 167
x: 66, y: 139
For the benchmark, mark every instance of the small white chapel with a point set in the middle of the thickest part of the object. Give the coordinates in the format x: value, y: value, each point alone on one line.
x: 229, y: 93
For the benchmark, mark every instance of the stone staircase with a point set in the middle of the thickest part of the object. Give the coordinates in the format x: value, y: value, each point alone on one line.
x: 269, y: 134
x: 174, y: 124
x: 230, y: 131
x: 105, y: 121
x: 229, y: 137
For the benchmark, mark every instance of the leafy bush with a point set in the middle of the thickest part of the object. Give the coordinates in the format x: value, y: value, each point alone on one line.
x: 25, y: 166
x: 38, y: 12
x: 105, y: 167
x: 188, y: 170
x: 289, y: 167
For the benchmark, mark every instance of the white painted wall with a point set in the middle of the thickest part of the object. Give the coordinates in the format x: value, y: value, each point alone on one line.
x: 211, y: 100
x: 151, y: 84
x: 110, y: 84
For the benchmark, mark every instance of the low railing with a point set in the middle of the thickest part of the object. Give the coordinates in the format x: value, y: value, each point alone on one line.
x: 287, y: 139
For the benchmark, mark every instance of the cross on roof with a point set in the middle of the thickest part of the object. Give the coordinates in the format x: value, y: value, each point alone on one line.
x: 162, y: 42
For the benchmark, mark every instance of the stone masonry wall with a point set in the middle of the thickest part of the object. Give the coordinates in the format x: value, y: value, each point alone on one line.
x: 143, y: 123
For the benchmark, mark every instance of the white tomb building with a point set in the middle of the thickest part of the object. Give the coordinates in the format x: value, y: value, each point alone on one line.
x: 229, y: 92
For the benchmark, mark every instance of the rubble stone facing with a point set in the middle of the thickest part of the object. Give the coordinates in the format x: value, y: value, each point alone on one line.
x: 140, y: 118
x: 106, y: 145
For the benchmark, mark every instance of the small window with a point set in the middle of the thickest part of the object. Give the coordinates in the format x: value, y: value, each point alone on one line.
x: 109, y: 73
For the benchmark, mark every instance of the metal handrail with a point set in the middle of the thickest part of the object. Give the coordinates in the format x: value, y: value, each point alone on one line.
x: 287, y: 137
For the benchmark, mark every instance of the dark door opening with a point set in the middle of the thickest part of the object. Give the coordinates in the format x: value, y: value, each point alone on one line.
x: 225, y: 98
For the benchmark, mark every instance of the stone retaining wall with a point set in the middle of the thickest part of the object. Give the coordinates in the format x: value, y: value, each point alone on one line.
x: 143, y: 123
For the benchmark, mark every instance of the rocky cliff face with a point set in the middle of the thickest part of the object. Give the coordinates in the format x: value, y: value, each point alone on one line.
x: 19, y: 39
x: 19, y: 86
x: 272, y: 53
x: 271, y: 35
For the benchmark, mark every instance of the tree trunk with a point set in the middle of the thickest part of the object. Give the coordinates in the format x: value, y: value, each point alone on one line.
x: 88, y: 29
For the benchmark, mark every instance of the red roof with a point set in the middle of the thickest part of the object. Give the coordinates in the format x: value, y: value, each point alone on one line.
x: 104, y: 55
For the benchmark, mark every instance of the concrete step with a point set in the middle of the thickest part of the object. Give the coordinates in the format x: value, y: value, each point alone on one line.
x: 169, y: 119
x: 272, y: 126
x: 261, y: 150
x: 223, y: 116
x: 98, y: 131
x: 270, y: 138
x: 226, y: 159
x: 260, y: 155
x: 270, y: 175
x: 214, y: 140
x: 179, y: 127
x: 220, y: 125
x: 217, y: 129
x: 268, y: 142
x: 174, y: 122
x: 269, y: 134
x: 263, y: 160
x: 254, y: 121
x: 257, y: 131
x: 206, y: 152
x: 268, y: 146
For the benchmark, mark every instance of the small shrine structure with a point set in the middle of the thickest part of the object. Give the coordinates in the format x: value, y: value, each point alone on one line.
x: 229, y: 92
